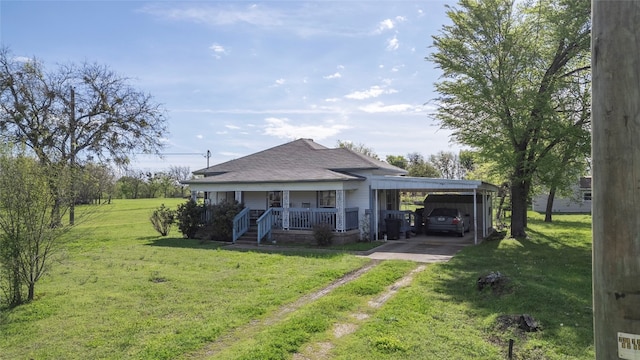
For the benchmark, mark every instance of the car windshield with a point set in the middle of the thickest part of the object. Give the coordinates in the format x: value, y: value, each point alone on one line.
x: 444, y: 212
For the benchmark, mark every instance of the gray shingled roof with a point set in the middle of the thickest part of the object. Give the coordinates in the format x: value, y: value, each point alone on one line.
x: 297, y: 161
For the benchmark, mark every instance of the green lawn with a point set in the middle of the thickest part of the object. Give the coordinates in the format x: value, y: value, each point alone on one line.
x: 443, y: 315
x: 122, y: 292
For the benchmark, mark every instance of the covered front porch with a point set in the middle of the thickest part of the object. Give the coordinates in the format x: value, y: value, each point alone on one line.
x: 267, y: 222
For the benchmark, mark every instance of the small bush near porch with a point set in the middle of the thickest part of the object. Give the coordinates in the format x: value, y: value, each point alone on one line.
x: 207, y: 222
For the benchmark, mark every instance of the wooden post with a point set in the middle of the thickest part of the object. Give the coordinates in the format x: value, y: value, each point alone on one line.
x: 616, y: 178
x: 72, y: 156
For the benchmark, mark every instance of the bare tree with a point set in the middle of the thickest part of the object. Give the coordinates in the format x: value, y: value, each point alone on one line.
x: 180, y: 173
x: 76, y: 111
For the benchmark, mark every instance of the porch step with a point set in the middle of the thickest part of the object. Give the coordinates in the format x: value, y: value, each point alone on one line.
x: 250, y: 237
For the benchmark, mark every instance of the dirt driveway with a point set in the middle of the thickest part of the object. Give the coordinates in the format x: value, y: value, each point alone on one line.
x: 422, y: 248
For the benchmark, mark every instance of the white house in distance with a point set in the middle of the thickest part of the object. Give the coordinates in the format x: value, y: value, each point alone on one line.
x: 289, y: 188
x: 579, y: 202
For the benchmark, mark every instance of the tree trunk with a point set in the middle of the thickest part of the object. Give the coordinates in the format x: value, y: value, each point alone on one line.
x: 549, y: 209
x: 518, y: 209
x: 32, y: 291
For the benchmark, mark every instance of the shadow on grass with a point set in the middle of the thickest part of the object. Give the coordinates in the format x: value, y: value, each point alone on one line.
x: 227, y: 246
x: 182, y: 243
x: 550, y: 279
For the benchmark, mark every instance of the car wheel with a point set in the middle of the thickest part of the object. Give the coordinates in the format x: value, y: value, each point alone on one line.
x: 461, y: 234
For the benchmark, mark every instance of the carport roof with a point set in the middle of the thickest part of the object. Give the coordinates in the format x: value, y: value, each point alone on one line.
x: 429, y: 184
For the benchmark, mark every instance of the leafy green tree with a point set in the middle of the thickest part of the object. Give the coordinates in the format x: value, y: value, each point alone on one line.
x: 508, y: 70
x: 132, y: 185
x: 93, y: 182
x: 467, y: 160
x: 419, y: 167
x: 398, y: 160
x: 28, y: 241
x: 563, y: 166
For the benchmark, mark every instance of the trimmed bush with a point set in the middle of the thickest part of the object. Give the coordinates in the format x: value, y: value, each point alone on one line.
x: 323, y: 234
x: 189, y: 216
x: 162, y: 219
x: 221, y: 226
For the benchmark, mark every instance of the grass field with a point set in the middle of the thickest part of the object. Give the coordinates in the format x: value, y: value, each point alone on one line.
x: 120, y: 291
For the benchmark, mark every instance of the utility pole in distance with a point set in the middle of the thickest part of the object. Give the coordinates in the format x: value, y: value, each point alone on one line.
x: 615, y: 66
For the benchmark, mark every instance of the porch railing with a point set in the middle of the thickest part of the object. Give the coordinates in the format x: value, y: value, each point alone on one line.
x: 265, y: 223
x: 351, y: 219
x: 303, y: 219
x: 241, y: 224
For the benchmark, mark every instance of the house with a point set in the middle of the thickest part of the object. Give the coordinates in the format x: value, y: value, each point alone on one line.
x: 578, y: 202
x: 289, y: 188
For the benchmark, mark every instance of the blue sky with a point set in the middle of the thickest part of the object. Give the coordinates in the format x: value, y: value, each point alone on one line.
x: 238, y: 77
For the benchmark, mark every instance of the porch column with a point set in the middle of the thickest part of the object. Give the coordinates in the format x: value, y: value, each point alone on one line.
x: 285, y: 209
x: 376, y: 213
x: 340, y: 210
x: 194, y: 196
x: 238, y: 196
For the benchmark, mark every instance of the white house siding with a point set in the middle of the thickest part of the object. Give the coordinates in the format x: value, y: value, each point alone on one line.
x: 299, y: 198
x: 562, y: 205
x: 255, y: 199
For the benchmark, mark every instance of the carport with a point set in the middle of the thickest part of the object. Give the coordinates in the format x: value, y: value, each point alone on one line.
x: 479, y: 190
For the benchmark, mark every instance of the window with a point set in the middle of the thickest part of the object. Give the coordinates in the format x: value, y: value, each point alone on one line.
x: 327, y: 199
x: 586, y: 196
x: 274, y: 199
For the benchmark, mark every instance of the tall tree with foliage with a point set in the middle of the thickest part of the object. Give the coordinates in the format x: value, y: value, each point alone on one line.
x: 360, y: 148
x: 448, y: 164
x: 76, y: 112
x: 505, y: 64
x: 419, y: 167
x: 27, y: 240
x: 398, y: 161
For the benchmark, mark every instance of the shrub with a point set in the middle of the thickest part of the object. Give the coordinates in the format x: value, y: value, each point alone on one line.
x: 221, y: 228
x: 323, y: 234
x: 162, y: 219
x: 189, y: 216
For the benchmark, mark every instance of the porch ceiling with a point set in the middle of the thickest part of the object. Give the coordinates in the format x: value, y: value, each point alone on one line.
x: 429, y: 184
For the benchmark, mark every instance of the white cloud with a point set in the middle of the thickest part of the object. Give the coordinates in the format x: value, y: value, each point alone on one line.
x: 372, y: 92
x: 379, y: 107
x: 216, y: 15
x: 199, y: 136
x: 393, y: 44
x: 278, y: 82
x: 232, y: 127
x: 386, y: 24
x: 332, y: 99
x: 218, y: 50
x: 336, y: 75
x: 284, y: 129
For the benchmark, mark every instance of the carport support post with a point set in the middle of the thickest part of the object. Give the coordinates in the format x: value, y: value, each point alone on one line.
x: 615, y: 61
x: 475, y: 217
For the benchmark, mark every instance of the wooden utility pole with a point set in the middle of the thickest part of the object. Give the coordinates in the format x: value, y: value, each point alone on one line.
x: 72, y: 157
x: 616, y: 178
